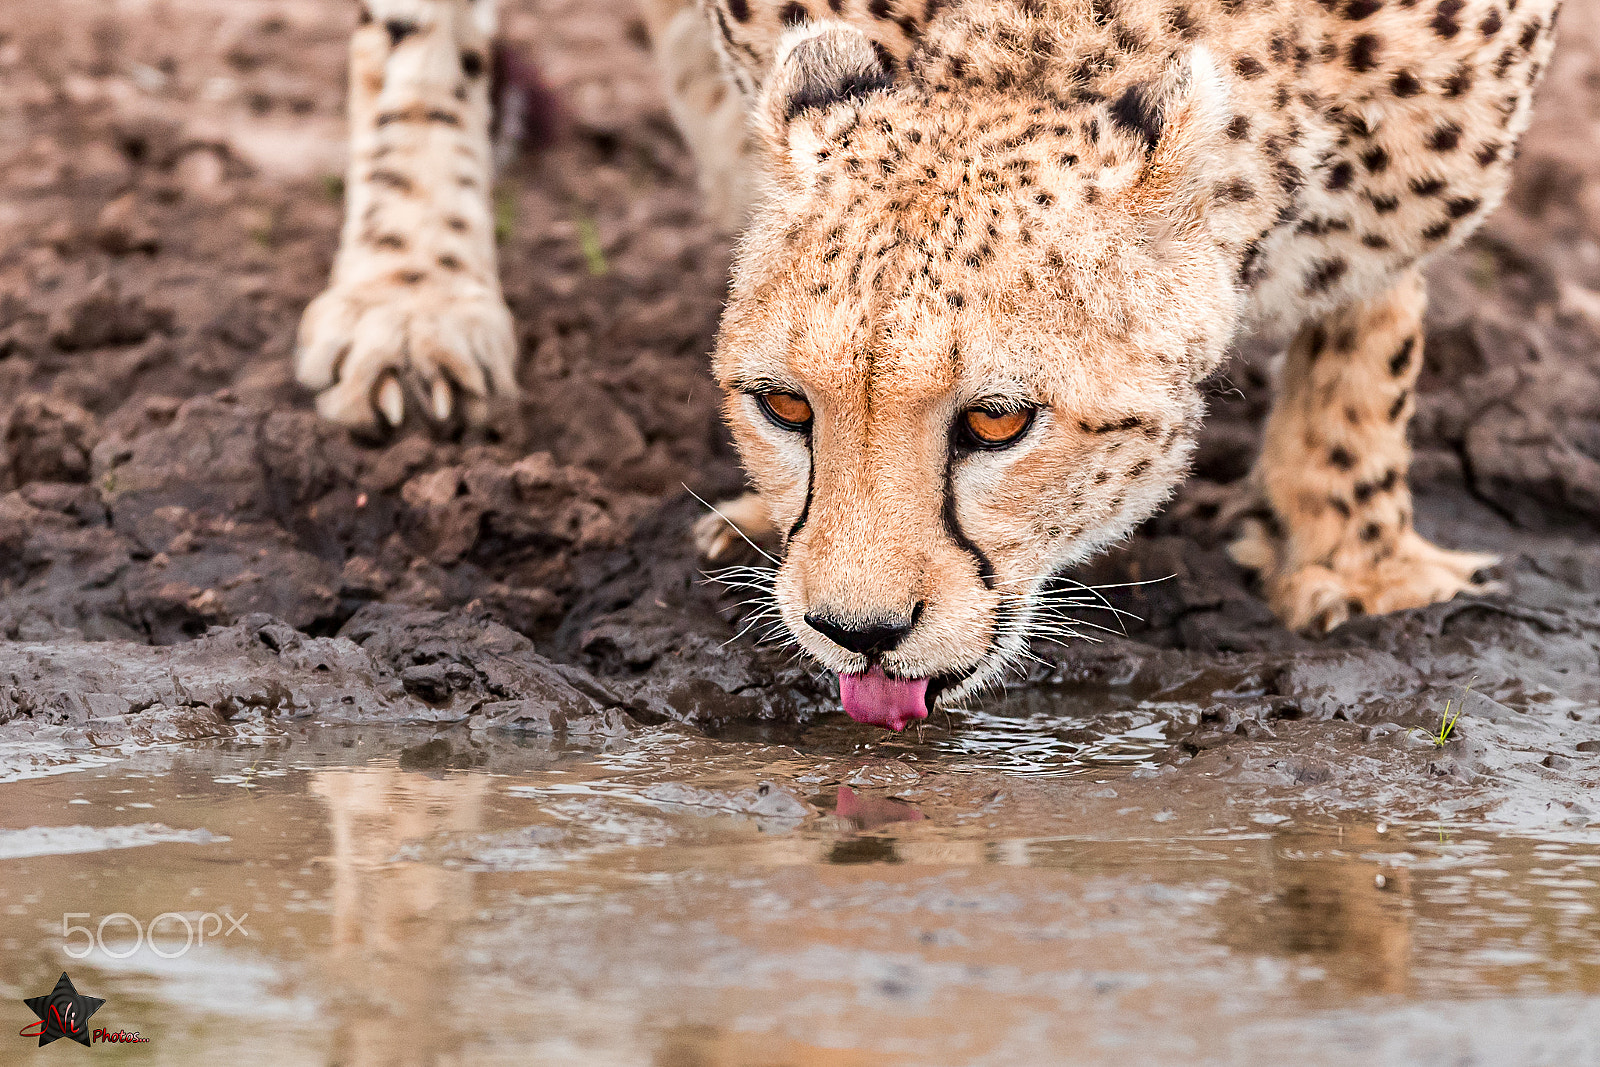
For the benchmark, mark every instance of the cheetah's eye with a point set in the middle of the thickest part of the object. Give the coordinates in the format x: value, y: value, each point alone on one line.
x: 788, y: 410
x: 982, y: 428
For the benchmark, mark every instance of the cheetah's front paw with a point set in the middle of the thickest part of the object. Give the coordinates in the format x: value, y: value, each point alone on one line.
x: 365, y: 346
x: 1318, y: 597
x: 733, y: 523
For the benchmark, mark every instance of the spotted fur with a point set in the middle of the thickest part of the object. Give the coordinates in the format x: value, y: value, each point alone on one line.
x: 1069, y: 208
x: 1075, y: 206
x: 413, y: 315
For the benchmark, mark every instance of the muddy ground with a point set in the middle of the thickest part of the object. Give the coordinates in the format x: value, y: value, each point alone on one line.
x: 185, y: 551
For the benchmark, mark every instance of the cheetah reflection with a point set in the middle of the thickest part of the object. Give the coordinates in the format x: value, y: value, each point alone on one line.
x: 395, y: 924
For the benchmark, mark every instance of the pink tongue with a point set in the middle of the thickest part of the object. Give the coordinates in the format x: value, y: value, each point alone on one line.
x: 878, y: 700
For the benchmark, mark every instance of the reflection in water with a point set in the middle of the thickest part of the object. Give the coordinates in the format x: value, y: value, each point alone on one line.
x: 681, y: 901
x: 869, y: 812
x: 395, y: 924
x: 1314, y: 899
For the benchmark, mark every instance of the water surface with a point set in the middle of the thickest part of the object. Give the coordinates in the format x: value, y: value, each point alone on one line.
x: 832, y: 897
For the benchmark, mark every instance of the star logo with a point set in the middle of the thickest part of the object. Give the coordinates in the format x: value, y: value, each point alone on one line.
x: 62, y: 1012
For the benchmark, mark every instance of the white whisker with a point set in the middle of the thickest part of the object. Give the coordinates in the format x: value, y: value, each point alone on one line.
x: 733, y: 524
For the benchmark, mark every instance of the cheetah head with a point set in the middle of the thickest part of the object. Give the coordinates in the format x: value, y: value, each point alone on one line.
x: 962, y: 351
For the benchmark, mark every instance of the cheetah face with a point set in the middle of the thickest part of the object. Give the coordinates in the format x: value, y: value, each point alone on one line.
x: 946, y: 386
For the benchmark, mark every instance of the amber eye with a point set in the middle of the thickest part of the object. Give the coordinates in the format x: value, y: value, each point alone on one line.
x: 995, y: 429
x: 789, y: 410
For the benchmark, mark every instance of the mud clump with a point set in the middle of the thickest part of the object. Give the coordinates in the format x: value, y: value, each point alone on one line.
x: 260, y: 675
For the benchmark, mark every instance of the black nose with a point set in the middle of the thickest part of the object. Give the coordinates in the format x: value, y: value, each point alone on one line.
x: 865, y: 637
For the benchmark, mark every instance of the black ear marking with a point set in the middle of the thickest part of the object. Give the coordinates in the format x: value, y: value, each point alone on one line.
x: 1138, y: 111
x: 828, y: 69
x: 819, y: 97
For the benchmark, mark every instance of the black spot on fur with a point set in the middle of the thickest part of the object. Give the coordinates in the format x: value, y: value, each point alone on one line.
x: 1405, y: 84
x: 1445, y: 138
x: 1316, y: 343
x: 1341, y: 458
x: 1239, y: 128
x: 1375, y: 159
x: 1183, y: 23
x: 1445, y: 18
x: 472, y: 63
x: 1339, y: 176
x: 1462, y: 206
x: 1131, y: 422
x: 1238, y: 191
x: 1402, y: 357
x: 1248, y: 66
x: 393, y: 179
x: 1137, y: 112
x: 739, y: 9
x: 1363, y: 54
x: 1427, y: 186
x: 1357, y: 10
x: 1250, y: 264
x: 399, y: 30
x: 1325, y: 274
x: 1459, y: 82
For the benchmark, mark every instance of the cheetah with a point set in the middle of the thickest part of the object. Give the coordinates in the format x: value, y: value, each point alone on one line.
x: 990, y: 251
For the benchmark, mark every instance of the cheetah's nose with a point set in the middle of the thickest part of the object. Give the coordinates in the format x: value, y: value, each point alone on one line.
x: 865, y: 636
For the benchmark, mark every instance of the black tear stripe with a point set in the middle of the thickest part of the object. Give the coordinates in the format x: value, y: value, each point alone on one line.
x: 952, y: 527
x: 805, y: 511
x: 1003, y: 613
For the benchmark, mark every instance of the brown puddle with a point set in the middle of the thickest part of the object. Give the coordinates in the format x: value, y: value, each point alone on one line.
x: 668, y: 899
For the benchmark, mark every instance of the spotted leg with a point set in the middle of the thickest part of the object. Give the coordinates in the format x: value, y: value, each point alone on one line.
x: 1332, y: 536
x: 413, y: 315
x: 709, y: 108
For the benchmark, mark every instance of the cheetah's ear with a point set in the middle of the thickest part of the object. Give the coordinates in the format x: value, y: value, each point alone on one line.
x: 1182, y: 118
x: 819, y: 66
